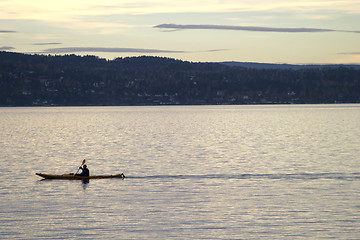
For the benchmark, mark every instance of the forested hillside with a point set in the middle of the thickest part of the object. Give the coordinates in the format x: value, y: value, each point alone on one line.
x: 33, y: 80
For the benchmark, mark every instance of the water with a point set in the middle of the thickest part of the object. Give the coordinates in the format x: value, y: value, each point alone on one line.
x: 193, y: 172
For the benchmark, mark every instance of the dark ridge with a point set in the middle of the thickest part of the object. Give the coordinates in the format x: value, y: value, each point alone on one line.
x: 72, y: 80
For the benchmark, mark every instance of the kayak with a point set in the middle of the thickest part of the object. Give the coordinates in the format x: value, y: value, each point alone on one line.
x: 76, y: 177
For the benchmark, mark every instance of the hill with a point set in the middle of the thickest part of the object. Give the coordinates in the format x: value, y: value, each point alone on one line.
x: 287, y: 66
x: 33, y: 80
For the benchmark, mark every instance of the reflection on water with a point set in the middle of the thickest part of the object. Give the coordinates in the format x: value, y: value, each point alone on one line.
x: 85, y: 183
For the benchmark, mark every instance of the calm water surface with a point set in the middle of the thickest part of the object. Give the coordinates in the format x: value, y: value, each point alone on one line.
x: 193, y: 172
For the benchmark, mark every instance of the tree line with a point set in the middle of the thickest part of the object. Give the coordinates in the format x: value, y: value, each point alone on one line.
x: 71, y: 80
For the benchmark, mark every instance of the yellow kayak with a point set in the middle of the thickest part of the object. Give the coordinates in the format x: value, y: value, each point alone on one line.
x: 76, y: 177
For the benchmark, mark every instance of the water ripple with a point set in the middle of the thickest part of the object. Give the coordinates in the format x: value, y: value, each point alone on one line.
x: 290, y: 176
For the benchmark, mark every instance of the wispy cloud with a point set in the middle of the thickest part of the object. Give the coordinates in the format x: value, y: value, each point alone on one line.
x: 119, y: 50
x: 216, y: 50
x: 50, y: 43
x: 5, y: 48
x: 246, y: 28
x: 7, y: 31
x: 350, y: 53
x: 103, y: 49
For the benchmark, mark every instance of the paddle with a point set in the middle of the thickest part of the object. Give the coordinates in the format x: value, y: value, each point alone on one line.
x: 83, y: 162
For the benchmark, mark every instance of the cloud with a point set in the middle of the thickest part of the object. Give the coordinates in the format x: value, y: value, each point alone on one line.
x: 118, y: 50
x: 5, y: 48
x: 102, y: 49
x: 350, y: 53
x: 247, y: 28
x: 7, y: 31
x: 50, y: 43
x: 217, y: 50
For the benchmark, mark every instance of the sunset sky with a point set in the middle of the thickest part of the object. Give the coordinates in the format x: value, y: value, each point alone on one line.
x: 271, y: 31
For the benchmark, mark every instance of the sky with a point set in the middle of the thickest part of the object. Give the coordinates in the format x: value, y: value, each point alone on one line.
x: 267, y: 31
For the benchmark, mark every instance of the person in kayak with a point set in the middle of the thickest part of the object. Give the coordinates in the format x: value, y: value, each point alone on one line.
x: 85, y: 171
